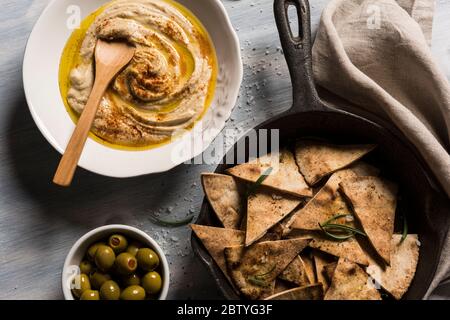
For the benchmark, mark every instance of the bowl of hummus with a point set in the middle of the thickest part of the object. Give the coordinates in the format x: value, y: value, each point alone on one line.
x: 164, y: 108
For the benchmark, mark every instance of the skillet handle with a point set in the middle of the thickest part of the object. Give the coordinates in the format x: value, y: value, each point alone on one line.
x: 297, y: 51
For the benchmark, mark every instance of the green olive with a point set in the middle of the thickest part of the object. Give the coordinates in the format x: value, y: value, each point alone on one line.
x: 86, y: 267
x: 104, y: 257
x: 118, y: 243
x: 131, y: 280
x: 147, y: 259
x: 81, y: 283
x: 133, y: 293
x: 110, y: 290
x: 98, y: 278
x: 92, y: 250
x: 90, y: 295
x: 126, y: 263
x: 134, y: 247
x: 152, y: 282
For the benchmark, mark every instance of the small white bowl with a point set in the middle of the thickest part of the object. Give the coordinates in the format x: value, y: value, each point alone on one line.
x: 40, y: 79
x: 80, y: 247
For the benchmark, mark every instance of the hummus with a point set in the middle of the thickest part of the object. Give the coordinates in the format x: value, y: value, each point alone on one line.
x: 165, y: 88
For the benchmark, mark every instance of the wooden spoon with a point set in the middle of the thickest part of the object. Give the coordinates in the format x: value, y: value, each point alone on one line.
x: 110, y: 58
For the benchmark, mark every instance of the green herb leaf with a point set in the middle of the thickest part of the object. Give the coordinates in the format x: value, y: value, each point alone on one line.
x: 344, y: 227
x: 335, y: 236
x: 259, y: 279
x: 171, y: 223
x: 327, y: 226
x: 252, y: 189
x: 258, y: 282
x: 265, y: 274
x: 335, y: 217
x: 405, y: 230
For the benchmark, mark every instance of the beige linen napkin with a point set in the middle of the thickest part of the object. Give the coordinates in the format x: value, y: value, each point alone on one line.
x: 375, y: 54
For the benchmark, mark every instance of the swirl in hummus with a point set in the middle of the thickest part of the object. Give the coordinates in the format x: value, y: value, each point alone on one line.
x: 166, y: 87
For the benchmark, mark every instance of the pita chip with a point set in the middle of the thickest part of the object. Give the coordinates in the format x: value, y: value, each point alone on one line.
x: 309, y: 292
x: 264, y: 210
x: 374, y: 201
x: 254, y: 269
x: 328, y: 201
x: 349, y: 249
x: 350, y: 282
x: 397, y: 277
x: 325, y: 204
x: 223, y: 196
x: 320, y: 261
x: 296, y: 273
x: 285, y: 176
x: 317, y: 159
x: 216, y: 239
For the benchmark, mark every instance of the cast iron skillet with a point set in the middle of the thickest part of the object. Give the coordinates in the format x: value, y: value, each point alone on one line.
x: 425, y: 206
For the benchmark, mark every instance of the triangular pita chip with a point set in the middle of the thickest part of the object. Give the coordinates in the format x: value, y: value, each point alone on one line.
x: 216, y: 239
x: 296, y: 273
x: 350, y: 282
x: 374, y: 201
x: 309, y: 292
x: 254, y: 269
x: 285, y: 176
x: 349, y: 249
x: 397, y: 277
x: 223, y: 196
x: 320, y: 261
x: 264, y: 210
x: 253, y: 285
x: 328, y: 201
x: 317, y: 159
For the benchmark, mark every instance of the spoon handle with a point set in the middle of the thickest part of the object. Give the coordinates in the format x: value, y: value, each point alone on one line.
x: 69, y: 161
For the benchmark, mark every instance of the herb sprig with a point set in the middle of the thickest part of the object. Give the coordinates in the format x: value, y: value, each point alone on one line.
x: 260, y: 279
x: 345, y: 232
x: 335, y: 236
x: 258, y: 282
x: 170, y: 223
x: 405, y: 231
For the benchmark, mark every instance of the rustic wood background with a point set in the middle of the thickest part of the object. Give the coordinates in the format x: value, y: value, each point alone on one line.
x: 39, y: 222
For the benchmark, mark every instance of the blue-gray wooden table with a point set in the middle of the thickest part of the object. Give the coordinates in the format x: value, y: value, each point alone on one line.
x: 39, y: 222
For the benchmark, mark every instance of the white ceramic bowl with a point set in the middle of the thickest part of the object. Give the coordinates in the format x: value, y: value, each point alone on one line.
x: 40, y: 77
x: 80, y: 247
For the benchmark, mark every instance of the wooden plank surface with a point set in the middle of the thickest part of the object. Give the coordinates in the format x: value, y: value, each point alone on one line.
x: 39, y: 222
